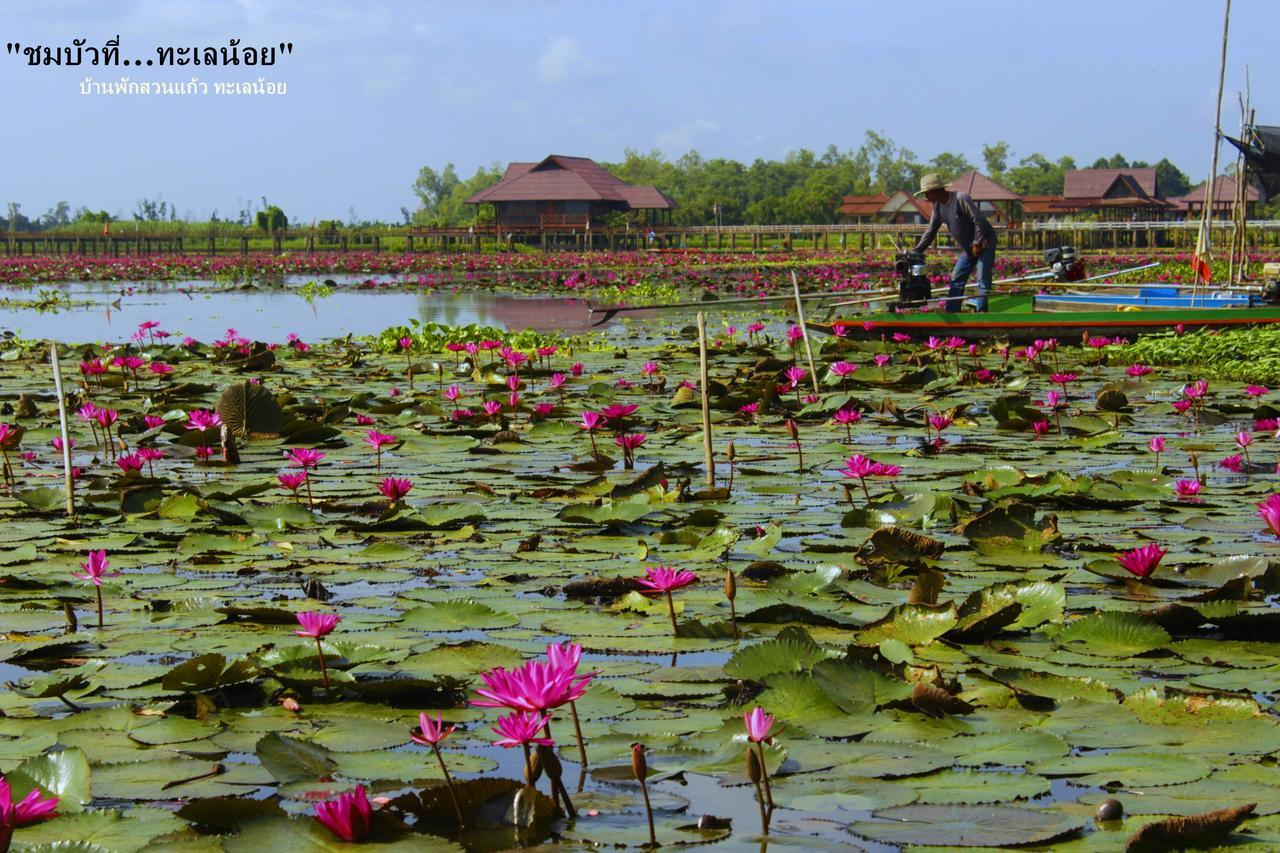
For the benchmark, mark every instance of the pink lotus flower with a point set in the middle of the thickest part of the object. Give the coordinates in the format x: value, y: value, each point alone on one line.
x: 105, y: 417
x: 650, y: 368
x: 1243, y: 439
x: 365, y: 420
x: 1063, y: 379
x: 1139, y: 370
x: 204, y: 452
x: 95, y: 568
x: 541, y: 410
x: 940, y: 422
x: 534, y: 686
x: 933, y: 343
x: 405, y: 343
x: 1187, y: 489
x: 1269, y: 512
x: 901, y: 338
x: 430, y: 732
x: 513, y: 382
x: 32, y: 808
x: 1052, y: 399
x: 394, y: 488
x: 749, y: 408
x: 843, y: 368
x: 1233, y: 463
x: 618, y: 411
x: 794, y: 333
x: 378, y: 440
x: 847, y: 416
x: 664, y: 579
x: 1156, y: 445
x: 629, y: 442
x: 202, y: 419
x: 1041, y: 428
x: 1196, y: 389
x: 882, y: 359
x: 304, y: 457
x: 1256, y: 390
x: 759, y: 725
x: 576, y: 368
x: 347, y: 817
x: 557, y: 380
x: 982, y: 374
x: 1142, y: 561
x: 93, y: 367
x: 795, y: 374
x: 521, y: 729
x: 316, y: 624
x: 130, y: 462
x: 492, y: 407
x: 58, y: 445
x: 292, y: 480
x: 153, y: 421
x: 452, y: 393
x: 754, y: 328
x: 159, y: 368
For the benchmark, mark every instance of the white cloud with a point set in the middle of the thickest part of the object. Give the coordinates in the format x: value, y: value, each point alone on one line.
x: 684, y: 136
x: 563, y: 58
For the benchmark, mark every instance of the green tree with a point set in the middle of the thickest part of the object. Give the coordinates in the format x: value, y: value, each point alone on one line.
x: 433, y: 188
x: 1036, y: 174
x: 996, y: 158
x: 950, y: 165
x: 1170, y: 180
x: 271, y: 220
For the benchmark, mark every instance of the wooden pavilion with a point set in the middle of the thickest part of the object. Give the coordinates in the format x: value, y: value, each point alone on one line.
x: 994, y: 200
x: 560, y: 193
x: 1191, y: 205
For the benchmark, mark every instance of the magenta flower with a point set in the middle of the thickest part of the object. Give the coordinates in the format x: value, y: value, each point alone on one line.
x: 940, y: 422
x: 541, y: 410
x: 759, y: 725
x: 58, y: 445
x: 749, y: 408
x: 452, y: 393
x: 1063, y: 379
x: 536, y: 686
x: 662, y: 579
x: 629, y: 442
x: 202, y: 419
x: 521, y: 729
x: 1181, y: 406
x: 556, y: 382
x: 32, y: 808
x: 159, y: 368
x: 860, y: 467
x: 316, y: 624
x: 304, y: 457
x: 847, y: 416
x: 794, y: 333
x: 153, y: 421
x: 1139, y: 370
x: 378, y: 440
x: 796, y: 374
x: 430, y: 732
x: 1243, y: 439
x: 129, y: 462
x: 364, y: 420
x: 576, y: 368
x: 95, y: 569
x: 650, y: 368
x: 1256, y: 390
x: 1269, y: 512
x: 1041, y: 427
x: 347, y: 817
x: 292, y: 480
x: 394, y: 488
x: 1233, y: 463
x: 1142, y: 561
x: 618, y: 411
x: 405, y: 343
x: 1196, y: 389
x: 1156, y: 445
x: 492, y: 407
x: 1187, y: 489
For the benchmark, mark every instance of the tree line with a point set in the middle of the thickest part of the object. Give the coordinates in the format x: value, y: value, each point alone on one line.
x: 803, y: 187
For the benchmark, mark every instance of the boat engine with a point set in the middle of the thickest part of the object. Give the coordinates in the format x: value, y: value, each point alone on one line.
x: 1271, y: 287
x: 1064, y: 264
x: 913, y: 282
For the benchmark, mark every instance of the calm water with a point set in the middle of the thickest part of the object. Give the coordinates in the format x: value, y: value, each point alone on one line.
x: 111, y: 311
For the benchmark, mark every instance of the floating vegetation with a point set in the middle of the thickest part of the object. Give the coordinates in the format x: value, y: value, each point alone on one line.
x: 480, y: 590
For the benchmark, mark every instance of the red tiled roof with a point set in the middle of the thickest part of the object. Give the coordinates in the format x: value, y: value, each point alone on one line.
x: 902, y: 201
x: 981, y: 188
x: 1041, y: 203
x: 1094, y: 183
x: 561, y: 178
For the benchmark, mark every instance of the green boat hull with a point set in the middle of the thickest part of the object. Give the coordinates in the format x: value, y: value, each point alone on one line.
x: 1013, y: 318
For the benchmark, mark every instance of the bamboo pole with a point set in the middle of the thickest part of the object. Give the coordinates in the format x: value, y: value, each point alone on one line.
x: 703, y: 386
x: 804, y: 331
x: 62, y: 424
x: 1206, y: 211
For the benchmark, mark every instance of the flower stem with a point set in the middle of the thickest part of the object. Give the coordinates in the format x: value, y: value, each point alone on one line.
x: 764, y: 819
x: 577, y: 731
x: 448, y: 780
x: 648, y: 812
x: 99, y: 588
x: 764, y: 773
x: 324, y: 672
x: 671, y: 609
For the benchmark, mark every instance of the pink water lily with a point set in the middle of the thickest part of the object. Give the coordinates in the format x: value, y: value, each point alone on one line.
x: 1269, y: 512
x: 95, y: 569
x: 860, y: 467
x: 304, y: 457
x: 32, y: 808
x: 1187, y: 489
x: 618, y: 411
x: 1139, y: 370
x: 1256, y: 390
x: 347, y: 817
x: 378, y: 440
x: 292, y: 480
x: 394, y: 488
x: 430, y: 732
x: 317, y: 625
x: 1142, y: 561
x: 759, y: 725
x: 533, y: 686
x: 663, y: 580
x: 202, y: 419
x: 629, y: 442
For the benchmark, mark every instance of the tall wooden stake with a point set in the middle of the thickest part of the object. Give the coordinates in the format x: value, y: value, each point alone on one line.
x: 804, y: 330
x: 703, y: 383
x: 1206, y: 213
x: 66, y: 436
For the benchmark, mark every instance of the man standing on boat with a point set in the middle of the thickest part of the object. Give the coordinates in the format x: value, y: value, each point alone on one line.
x: 972, y: 233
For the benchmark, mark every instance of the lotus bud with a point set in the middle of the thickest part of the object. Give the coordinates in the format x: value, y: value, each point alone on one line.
x: 546, y: 758
x: 639, y: 767
x: 754, y: 771
x: 533, y: 772
x: 291, y: 705
x: 730, y: 453
x: 730, y: 585
x: 792, y: 431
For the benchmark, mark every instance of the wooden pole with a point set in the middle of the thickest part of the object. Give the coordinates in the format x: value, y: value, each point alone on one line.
x: 704, y: 387
x: 62, y: 424
x: 1206, y: 213
x: 808, y: 349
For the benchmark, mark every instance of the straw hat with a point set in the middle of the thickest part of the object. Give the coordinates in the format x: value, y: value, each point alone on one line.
x: 931, y: 181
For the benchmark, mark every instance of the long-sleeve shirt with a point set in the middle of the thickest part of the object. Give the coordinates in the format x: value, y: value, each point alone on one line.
x: 963, y: 220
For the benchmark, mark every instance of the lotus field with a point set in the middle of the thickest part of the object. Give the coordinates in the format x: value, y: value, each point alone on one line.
x: 458, y: 588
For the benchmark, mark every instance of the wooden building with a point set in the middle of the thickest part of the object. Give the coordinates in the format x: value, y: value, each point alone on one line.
x: 1114, y: 194
x: 901, y: 208
x: 1191, y: 205
x: 561, y: 193
x: 997, y: 202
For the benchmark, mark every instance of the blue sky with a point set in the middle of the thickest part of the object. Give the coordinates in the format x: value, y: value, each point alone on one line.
x: 378, y: 89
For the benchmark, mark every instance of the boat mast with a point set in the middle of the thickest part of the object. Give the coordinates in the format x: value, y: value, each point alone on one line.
x: 1204, y: 242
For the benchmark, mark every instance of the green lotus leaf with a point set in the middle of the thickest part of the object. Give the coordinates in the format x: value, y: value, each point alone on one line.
x: 1113, y: 633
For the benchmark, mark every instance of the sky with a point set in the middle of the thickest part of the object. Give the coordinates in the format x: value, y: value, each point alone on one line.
x: 377, y: 89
